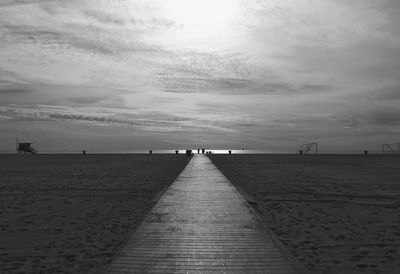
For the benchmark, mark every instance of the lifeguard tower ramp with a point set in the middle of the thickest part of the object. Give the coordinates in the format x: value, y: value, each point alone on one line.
x: 308, y: 148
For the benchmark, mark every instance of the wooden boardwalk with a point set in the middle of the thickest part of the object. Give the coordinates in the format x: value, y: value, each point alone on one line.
x: 202, y: 225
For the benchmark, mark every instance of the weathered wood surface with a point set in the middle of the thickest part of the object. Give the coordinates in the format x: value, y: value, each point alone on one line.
x: 202, y: 225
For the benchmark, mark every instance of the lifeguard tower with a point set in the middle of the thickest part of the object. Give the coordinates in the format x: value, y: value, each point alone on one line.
x: 25, y: 148
x: 307, y: 148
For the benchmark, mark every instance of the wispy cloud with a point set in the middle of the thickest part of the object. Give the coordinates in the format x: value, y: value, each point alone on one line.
x: 8, y: 86
x: 85, y: 100
x: 100, y: 116
x: 10, y: 3
x: 105, y: 18
x: 14, y: 90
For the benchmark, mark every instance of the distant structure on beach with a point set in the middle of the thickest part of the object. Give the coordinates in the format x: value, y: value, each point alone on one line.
x: 26, y: 148
x: 308, y: 147
x: 393, y: 148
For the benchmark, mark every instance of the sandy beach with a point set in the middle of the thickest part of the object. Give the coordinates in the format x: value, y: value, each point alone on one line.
x: 334, y: 213
x: 73, y: 213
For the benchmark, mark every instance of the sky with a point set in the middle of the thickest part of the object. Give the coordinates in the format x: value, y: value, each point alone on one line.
x: 127, y: 75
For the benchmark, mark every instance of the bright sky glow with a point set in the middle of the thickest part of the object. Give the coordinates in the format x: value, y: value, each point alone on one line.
x: 202, y: 18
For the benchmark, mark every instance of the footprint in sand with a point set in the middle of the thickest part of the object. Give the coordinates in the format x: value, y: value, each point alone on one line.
x: 362, y: 266
x: 356, y: 258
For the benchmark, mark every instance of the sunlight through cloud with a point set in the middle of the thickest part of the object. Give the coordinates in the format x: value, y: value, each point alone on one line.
x: 201, y: 18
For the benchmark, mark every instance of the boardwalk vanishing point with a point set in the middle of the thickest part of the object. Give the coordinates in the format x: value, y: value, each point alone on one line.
x: 202, y: 225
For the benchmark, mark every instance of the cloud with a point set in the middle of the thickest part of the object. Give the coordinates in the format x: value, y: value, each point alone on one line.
x: 85, y: 100
x: 378, y: 117
x: 11, y: 3
x: 350, y: 120
x: 321, y: 23
x: 104, y: 18
x: 187, y: 71
x: 236, y: 86
x: 53, y: 113
x: 154, y: 23
x: 388, y: 92
x: 11, y: 87
x: 14, y: 90
x: 382, y: 117
x: 103, y: 116
x: 191, y: 84
x: 51, y: 37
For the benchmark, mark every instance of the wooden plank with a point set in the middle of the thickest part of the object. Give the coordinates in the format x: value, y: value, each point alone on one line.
x: 202, y: 224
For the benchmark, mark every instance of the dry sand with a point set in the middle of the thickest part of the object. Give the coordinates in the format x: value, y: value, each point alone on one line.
x: 335, y: 213
x: 72, y: 213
